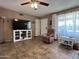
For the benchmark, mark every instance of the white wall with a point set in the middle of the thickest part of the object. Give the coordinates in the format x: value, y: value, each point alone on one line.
x: 44, y: 25
x: 37, y: 27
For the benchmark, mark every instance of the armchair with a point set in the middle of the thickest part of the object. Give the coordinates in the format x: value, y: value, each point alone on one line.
x: 49, y: 36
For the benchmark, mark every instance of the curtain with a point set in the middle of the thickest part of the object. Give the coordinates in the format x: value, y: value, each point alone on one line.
x: 68, y: 24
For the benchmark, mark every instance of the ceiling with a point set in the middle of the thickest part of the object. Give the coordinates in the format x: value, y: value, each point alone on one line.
x: 55, y: 6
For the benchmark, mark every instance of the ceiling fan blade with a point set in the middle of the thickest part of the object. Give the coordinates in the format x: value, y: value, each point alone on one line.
x: 43, y: 3
x: 25, y: 3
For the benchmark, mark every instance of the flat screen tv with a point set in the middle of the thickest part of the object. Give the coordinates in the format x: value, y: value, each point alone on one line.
x: 20, y: 25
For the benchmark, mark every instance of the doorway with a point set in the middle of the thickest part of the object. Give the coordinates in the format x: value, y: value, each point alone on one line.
x: 44, y: 25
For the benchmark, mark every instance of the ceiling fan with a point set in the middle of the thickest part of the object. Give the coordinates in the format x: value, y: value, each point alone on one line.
x: 34, y: 3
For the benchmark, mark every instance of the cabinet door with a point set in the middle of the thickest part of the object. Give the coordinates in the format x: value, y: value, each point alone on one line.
x: 16, y: 35
x: 29, y: 34
x: 23, y: 34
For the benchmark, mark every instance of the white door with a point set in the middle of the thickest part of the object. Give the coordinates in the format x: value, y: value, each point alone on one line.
x: 1, y: 30
x: 37, y: 27
x: 44, y: 23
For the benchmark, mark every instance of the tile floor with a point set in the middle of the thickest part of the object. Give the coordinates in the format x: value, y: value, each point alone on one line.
x: 35, y: 49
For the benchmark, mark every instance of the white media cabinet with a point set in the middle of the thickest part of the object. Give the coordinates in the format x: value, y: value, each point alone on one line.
x: 20, y: 35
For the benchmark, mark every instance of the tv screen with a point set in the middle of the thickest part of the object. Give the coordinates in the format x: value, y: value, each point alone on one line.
x: 20, y: 24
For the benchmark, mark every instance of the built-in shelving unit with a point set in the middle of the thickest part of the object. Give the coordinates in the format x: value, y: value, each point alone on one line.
x: 20, y: 35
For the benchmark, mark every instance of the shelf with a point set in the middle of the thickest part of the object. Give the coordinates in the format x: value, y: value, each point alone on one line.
x: 22, y: 35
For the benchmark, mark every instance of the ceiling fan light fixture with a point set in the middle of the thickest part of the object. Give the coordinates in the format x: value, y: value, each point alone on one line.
x: 34, y: 5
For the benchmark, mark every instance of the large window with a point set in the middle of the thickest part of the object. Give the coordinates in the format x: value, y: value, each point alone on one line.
x: 68, y: 24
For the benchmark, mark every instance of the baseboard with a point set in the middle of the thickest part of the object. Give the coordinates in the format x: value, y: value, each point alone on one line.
x: 37, y: 36
x: 6, y: 40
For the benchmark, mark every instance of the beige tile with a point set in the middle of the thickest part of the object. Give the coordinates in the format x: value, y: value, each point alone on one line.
x: 34, y: 49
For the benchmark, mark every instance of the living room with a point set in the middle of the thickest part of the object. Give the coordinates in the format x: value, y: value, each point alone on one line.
x: 50, y: 31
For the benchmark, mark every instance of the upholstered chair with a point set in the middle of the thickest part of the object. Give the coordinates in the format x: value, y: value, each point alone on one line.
x: 49, y: 36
